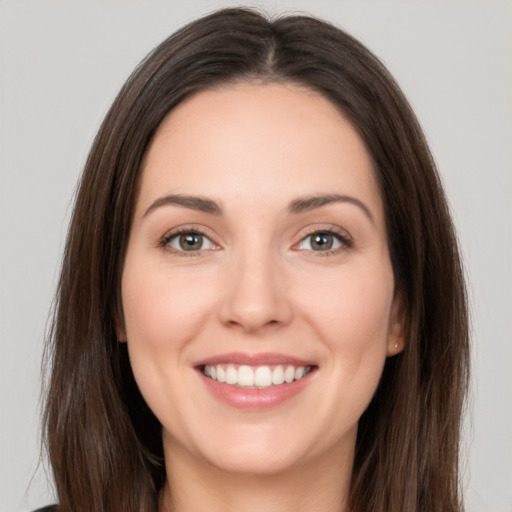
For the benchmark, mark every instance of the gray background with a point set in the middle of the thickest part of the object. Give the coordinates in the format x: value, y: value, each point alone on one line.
x: 61, y: 63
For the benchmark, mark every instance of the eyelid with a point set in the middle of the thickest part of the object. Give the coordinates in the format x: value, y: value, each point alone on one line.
x: 189, y: 229
x: 340, y: 234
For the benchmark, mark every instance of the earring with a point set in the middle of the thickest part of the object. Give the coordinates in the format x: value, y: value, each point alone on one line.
x: 396, y: 346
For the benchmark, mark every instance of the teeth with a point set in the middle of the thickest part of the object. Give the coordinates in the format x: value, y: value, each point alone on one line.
x: 263, y: 377
x: 260, y: 376
x: 231, y: 375
x: 278, y: 376
x: 289, y: 374
x: 246, y: 376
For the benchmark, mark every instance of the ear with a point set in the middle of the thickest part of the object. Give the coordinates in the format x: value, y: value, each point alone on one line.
x: 397, y: 325
x: 120, y: 333
x: 119, y: 323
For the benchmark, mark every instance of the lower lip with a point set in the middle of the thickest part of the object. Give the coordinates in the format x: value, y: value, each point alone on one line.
x: 255, y: 399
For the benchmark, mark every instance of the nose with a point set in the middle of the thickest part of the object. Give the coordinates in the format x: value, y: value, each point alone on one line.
x: 255, y: 298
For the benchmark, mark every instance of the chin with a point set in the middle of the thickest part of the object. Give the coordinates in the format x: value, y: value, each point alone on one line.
x: 250, y: 462
x: 268, y: 450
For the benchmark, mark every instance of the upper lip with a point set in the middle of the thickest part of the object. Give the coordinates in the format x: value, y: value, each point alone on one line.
x: 263, y: 359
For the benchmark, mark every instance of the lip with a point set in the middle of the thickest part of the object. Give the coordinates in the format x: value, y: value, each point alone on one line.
x: 263, y: 359
x: 252, y: 398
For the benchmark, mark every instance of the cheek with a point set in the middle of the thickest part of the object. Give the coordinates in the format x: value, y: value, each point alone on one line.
x: 163, y: 307
x: 163, y: 310
x: 351, y: 308
x: 351, y: 318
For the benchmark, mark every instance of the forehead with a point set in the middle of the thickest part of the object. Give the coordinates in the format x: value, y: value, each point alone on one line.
x: 263, y: 142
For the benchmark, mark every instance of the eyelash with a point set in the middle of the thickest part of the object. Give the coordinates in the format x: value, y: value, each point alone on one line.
x: 343, y: 239
x: 166, y: 239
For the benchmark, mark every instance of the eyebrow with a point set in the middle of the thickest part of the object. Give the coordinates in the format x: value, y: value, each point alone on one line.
x: 297, y: 206
x: 201, y: 204
x: 309, y: 203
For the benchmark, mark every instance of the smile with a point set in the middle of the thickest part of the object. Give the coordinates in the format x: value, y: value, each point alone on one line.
x: 260, y: 377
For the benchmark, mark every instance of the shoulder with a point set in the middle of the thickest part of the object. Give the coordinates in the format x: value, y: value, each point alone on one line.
x: 49, y: 508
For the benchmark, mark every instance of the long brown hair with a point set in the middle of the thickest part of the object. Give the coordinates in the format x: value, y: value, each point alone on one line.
x: 104, y: 443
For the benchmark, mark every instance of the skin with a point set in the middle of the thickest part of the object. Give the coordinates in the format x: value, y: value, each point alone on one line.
x: 257, y: 285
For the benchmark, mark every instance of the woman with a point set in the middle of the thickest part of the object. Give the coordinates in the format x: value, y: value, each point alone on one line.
x: 261, y: 305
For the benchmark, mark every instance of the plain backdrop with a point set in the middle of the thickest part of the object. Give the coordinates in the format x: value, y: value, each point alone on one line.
x: 61, y: 63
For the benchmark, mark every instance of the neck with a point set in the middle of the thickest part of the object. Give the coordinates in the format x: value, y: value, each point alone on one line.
x: 320, y: 485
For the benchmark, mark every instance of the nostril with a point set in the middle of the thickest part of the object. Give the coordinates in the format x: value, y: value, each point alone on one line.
x: 254, y: 299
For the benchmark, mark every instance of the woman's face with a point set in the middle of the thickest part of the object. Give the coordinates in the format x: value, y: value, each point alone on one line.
x: 257, y: 292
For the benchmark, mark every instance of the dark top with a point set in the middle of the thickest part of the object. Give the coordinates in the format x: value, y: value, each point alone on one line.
x: 49, y: 508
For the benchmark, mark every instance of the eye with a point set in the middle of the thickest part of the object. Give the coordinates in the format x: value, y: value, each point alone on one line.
x: 323, y: 241
x: 188, y: 241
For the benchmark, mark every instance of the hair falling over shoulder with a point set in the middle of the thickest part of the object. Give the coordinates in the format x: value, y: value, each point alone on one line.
x: 104, y: 443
